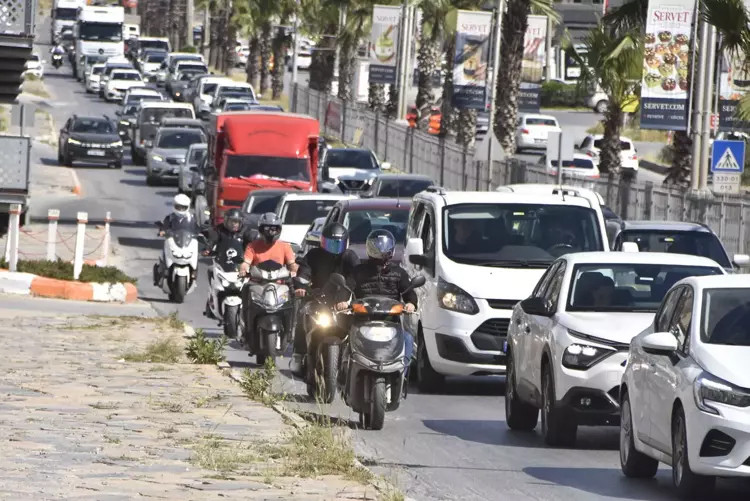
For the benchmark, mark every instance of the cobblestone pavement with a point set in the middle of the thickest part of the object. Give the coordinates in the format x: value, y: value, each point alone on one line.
x: 79, y: 422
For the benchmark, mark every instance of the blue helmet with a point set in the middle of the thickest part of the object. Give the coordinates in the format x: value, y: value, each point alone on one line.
x: 334, y: 238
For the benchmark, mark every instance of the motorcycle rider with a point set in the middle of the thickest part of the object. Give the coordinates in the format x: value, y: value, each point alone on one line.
x: 57, y: 50
x: 181, y: 217
x: 227, y: 241
x: 333, y: 256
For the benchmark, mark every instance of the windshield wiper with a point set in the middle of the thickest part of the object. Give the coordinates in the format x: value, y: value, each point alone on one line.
x: 285, y: 182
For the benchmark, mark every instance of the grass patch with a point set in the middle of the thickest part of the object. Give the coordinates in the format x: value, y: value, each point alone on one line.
x: 207, y: 400
x: 258, y: 384
x: 283, y: 101
x: 173, y: 322
x: 201, y: 350
x: 35, y: 86
x: 634, y: 133
x: 218, y: 455
x: 4, y: 118
x: 112, y: 440
x: 165, y: 350
x: 62, y: 270
x: 167, y: 405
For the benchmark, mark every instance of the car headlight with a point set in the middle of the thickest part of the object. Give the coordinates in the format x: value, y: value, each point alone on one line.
x: 124, y: 122
x: 708, y: 388
x: 157, y: 158
x: 178, y: 93
x: 116, y: 144
x: 582, y: 356
x: 451, y: 297
x: 73, y: 141
x: 323, y: 319
x: 378, y: 333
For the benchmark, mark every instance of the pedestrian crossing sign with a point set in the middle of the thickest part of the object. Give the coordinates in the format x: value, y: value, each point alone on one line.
x: 728, y: 156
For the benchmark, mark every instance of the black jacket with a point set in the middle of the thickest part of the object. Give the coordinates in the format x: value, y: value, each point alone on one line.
x: 227, y: 246
x: 370, y: 279
x: 175, y: 222
x: 318, y: 265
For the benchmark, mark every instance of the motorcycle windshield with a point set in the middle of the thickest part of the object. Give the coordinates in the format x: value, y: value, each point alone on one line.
x: 378, y: 341
x: 182, y: 237
x: 269, y: 271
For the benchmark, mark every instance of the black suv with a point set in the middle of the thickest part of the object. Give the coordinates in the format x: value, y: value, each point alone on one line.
x: 90, y: 139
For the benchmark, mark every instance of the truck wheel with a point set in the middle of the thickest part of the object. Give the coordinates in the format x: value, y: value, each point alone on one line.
x: 557, y: 429
x: 518, y: 414
x: 428, y: 380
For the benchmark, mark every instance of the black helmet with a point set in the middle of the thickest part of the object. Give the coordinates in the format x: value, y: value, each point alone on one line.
x: 233, y: 220
x: 381, y: 245
x: 269, y: 226
x: 334, y: 238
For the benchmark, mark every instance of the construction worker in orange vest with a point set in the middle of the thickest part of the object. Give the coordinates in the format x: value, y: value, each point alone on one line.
x: 411, y: 116
x: 434, y: 124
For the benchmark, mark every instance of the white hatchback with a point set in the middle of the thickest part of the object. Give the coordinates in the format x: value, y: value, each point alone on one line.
x: 120, y: 81
x: 581, y: 167
x: 533, y: 130
x: 686, y: 390
x: 592, y: 145
x: 568, y: 341
x: 298, y: 210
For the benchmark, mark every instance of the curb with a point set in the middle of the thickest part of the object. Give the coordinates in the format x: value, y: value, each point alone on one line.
x: 33, y: 285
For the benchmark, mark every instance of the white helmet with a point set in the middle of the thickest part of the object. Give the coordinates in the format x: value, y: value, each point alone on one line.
x: 181, y: 204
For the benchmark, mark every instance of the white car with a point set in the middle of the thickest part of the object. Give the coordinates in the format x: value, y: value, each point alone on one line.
x: 581, y: 167
x: 568, y: 341
x: 120, y: 81
x: 93, y: 78
x: 34, y: 67
x: 151, y: 63
x: 591, y: 146
x: 533, y: 130
x: 189, y: 168
x: 686, y: 389
x: 204, y: 95
x: 304, y: 59
x: 298, y: 210
x: 242, y: 54
x: 481, y: 253
x: 598, y: 101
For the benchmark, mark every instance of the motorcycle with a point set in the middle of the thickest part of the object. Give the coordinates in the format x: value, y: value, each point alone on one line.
x: 371, y: 376
x: 57, y: 60
x: 177, y: 268
x: 269, y: 298
x: 225, y: 299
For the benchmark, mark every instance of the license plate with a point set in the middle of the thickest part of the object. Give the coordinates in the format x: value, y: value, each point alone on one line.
x: 96, y: 153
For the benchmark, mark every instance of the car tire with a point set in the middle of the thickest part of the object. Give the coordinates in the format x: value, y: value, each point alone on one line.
x: 557, y: 428
x: 117, y: 165
x: 150, y: 180
x: 68, y: 160
x: 428, y: 379
x: 519, y: 415
x: 634, y: 464
x: 60, y: 159
x: 601, y: 106
x: 688, y: 484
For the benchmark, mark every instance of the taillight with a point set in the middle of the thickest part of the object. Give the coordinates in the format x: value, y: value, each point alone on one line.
x: 634, y: 157
x: 220, y: 203
x: 524, y: 131
x: 590, y: 153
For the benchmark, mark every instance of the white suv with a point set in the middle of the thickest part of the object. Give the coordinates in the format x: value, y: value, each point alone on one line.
x: 481, y: 253
x: 686, y: 390
x: 592, y: 145
x: 568, y: 341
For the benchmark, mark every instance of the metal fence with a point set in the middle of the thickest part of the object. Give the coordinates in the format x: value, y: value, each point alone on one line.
x: 415, y: 151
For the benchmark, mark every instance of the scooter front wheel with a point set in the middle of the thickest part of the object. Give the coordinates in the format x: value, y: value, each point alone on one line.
x: 268, y: 350
x: 231, y: 321
x: 179, y: 291
x: 375, y: 418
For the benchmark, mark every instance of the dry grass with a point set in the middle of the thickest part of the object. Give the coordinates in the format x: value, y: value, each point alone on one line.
x: 32, y: 85
x: 634, y: 133
x: 165, y: 350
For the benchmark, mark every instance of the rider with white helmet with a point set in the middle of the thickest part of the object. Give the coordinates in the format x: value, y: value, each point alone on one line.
x: 181, y: 217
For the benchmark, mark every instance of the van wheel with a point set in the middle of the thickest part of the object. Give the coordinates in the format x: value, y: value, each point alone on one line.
x: 688, y: 484
x: 634, y: 464
x: 557, y: 428
x: 428, y: 380
x: 518, y: 414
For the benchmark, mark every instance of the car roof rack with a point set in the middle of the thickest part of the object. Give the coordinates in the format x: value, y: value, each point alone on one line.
x: 436, y: 189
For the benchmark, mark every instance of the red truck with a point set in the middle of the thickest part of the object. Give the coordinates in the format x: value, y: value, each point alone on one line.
x: 250, y: 150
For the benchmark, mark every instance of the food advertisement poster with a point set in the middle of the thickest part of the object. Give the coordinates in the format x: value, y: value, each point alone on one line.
x: 532, y: 66
x: 734, y: 83
x: 470, y: 60
x: 666, y: 60
x: 382, y: 52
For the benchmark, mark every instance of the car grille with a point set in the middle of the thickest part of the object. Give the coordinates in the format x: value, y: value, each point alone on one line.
x: 174, y: 161
x: 491, y: 334
x: 502, y: 304
x: 353, y: 184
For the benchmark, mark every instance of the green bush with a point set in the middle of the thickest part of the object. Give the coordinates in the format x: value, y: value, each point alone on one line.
x: 62, y: 270
x: 558, y: 94
x: 190, y: 49
x: 201, y: 350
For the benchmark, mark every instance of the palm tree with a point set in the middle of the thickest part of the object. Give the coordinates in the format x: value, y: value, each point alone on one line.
x: 376, y: 97
x: 614, y: 62
x: 434, y: 16
x: 322, y: 18
x: 515, y: 23
x: 358, y: 24
x: 280, y: 42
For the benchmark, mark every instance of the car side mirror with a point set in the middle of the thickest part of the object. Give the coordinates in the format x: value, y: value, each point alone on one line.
x: 386, y: 166
x: 414, y: 247
x: 418, y: 259
x: 741, y: 260
x: 537, y: 306
x: 659, y: 343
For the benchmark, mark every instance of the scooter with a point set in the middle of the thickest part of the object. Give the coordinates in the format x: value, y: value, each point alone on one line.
x: 176, y: 271
x: 371, y: 377
x: 266, y: 306
x: 57, y: 60
x: 225, y: 299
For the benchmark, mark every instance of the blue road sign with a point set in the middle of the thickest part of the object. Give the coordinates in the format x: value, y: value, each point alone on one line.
x: 728, y: 156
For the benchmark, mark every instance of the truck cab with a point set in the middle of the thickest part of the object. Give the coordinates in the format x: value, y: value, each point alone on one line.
x: 64, y: 15
x: 98, y: 32
x: 251, y: 150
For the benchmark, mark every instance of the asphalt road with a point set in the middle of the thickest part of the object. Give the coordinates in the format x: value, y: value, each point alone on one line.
x: 453, y: 445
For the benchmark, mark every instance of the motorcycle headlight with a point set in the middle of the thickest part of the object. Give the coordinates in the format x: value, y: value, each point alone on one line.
x: 378, y: 333
x: 454, y: 298
x: 73, y: 141
x: 708, y: 388
x: 582, y: 356
x: 323, y: 319
x: 157, y: 158
x: 224, y: 282
x: 116, y: 144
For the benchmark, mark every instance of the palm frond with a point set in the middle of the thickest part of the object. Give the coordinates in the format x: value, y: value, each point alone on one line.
x: 630, y: 16
x: 545, y: 8
x: 730, y: 17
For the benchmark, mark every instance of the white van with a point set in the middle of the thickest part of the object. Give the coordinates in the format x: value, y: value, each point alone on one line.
x: 481, y: 253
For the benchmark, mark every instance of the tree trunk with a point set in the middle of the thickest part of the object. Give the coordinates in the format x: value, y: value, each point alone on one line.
x: 391, y: 107
x: 252, y: 60
x: 230, y: 51
x: 376, y: 97
x: 277, y: 75
x: 223, y: 38
x: 206, y: 37
x: 609, y: 156
x: 466, y: 127
x: 682, y: 159
x: 321, y: 65
x: 447, y: 111
x: 515, y: 22
x: 347, y: 57
x: 265, y: 55
x: 428, y: 62
x: 215, y: 40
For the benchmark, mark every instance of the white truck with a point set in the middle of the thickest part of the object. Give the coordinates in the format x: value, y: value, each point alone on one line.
x: 64, y: 15
x: 98, y: 33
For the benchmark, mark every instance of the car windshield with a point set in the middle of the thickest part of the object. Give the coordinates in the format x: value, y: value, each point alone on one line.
x: 180, y: 140
x: 517, y: 235
x: 197, y: 155
x: 234, y: 95
x: 726, y: 317
x: 92, y: 126
x: 66, y: 14
x: 260, y: 204
x: 550, y: 122
x: 236, y: 106
x: 305, y: 211
x: 350, y: 158
x: 154, y: 44
x: 209, y: 88
x: 694, y: 243
x: 156, y: 114
x: 137, y: 98
x: 192, y: 67
x: 110, y: 32
x: 626, y: 287
x: 405, y: 188
x: 188, y: 75
x: 108, y: 70
x: 126, y: 76
x: 97, y: 70
x: 361, y: 223
x: 252, y: 166
x: 578, y: 163
x: 158, y: 57
x: 624, y: 145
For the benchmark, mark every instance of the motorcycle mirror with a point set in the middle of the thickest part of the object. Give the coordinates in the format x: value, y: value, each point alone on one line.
x: 337, y: 280
x: 415, y: 283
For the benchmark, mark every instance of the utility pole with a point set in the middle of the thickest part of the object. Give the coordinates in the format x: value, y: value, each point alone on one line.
x: 698, y: 122
x: 549, y: 52
x: 295, y: 50
x: 206, y: 33
x: 493, y: 87
x: 707, y: 108
x: 403, y: 63
x: 190, y: 21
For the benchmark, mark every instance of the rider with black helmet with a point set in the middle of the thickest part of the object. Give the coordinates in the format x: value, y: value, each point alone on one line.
x: 333, y: 256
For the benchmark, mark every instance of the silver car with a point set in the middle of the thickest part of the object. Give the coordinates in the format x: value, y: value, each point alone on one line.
x: 165, y: 159
x: 193, y: 157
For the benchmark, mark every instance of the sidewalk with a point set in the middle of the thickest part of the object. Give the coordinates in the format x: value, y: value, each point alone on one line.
x: 80, y: 422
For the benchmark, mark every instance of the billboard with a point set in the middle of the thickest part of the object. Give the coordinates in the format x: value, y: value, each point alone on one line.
x: 734, y: 83
x: 532, y: 66
x: 470, y: 59
x: 382, y: 51
x: 666, y: 61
